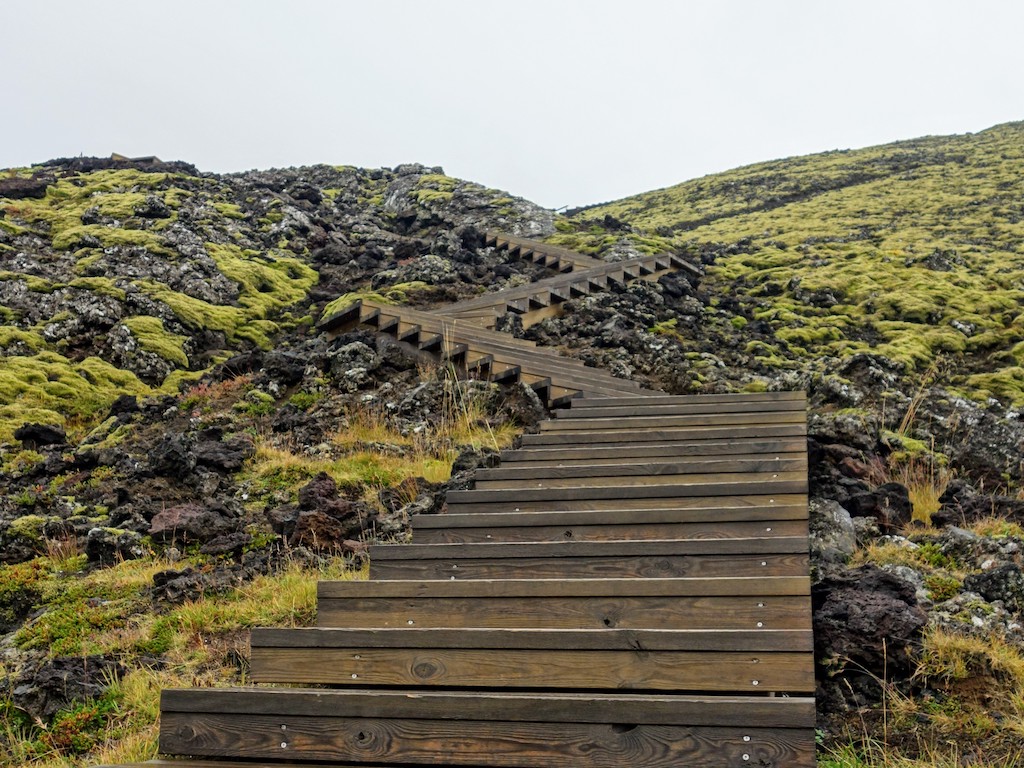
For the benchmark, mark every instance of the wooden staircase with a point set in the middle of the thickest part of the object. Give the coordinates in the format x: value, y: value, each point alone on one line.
x: 628, y: 588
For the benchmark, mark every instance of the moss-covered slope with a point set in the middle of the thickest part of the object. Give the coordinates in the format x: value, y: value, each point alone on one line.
x: 123, y: 277
x: 913, y: 251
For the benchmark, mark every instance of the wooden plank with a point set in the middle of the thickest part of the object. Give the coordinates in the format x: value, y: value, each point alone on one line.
x: 583, y: 567
x: 719, y: 398
x: 581, y: 670
x: 629, y: 438
x: 636, y: 641
x: 484, y: 533
x: 722, y: 514
x: 679, y: 487
x: 768, y: 463
x: 793, y: 712
x: 570, y: 611
x: 630, y: 423
x: 535, y: 588
x: 476, y: 742
x: 785, y: 544
x: 678, y: 409
x: 471, y: 506
x: 610, y: 483
x: 708, y: 450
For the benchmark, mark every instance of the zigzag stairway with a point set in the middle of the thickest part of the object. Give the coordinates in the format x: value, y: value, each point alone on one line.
x: 628, y: 588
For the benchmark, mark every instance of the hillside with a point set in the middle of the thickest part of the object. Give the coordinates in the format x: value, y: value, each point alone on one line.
x: 182, y: 454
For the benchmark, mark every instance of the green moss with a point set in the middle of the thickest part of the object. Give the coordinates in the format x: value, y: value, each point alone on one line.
x: 399, y: 293
x: 32, y: 282
x: 11, y: 335
x: 48, y: 387
x: 150, y: 333
x: 109, y: 237
x: 101, y: 285
x: 229, y: 210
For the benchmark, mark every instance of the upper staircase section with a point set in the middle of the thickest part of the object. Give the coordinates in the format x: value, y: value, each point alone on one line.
x: 461, y: 335
x: 581, y: 276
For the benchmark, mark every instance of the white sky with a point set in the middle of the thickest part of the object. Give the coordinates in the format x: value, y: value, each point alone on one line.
x: 563, y: 102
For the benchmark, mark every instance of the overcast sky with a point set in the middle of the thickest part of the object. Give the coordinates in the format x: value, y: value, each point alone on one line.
x: 565, y: 103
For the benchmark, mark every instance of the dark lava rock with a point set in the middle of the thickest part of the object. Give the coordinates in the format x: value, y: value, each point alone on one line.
x: 124, y: 407
x: 110, y: 545
x: 43, y: 691
x: 17, y: 189
x: 1004, y: 583
x: 865, y: 622
x: 962, y: 505
x: 38, y: 435
x: 153, y: 208
x: 321, y: 495
x: 889, y: 503
x: 189, y: 584
x: 227, y: 455
x: 232, y: 543
x: 318, y: 530
x: 189, y: 523
x: 173, y: 456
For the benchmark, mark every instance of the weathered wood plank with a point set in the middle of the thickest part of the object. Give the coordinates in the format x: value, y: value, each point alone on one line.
x: 580, y: 567
x: 659, y: 474
x: 637, y: 641
x: 675, y: 487
x: 626, y: 529
x: 766, y: 463
x: 723, y: 513
x: 668, y: 435
x: 710, y: 450
x: 631, y: 423
x: 579, y: 670
x: 533, y: 588
x: 793, y: 712
x: 678, y: 409
x: 570, y: 611
x: 488, y: 742
x: 733, y: 397
x: 470, y: 506
x: 759, y: 545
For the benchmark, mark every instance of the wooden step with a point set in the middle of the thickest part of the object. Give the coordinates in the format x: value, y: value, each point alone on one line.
x: 478, y: 529
x: 475, y: 505
x: 697, y: 450
x: 781, y: 602
x: 678, y: 409
x: 735, y: 397
x: 671, y: 486
x: 641, y: 422
x: 722, y: 661
x: 504, y: 730
x: 764, y: 464
x: 629, y: 438
x: 604, y: 484
x: 779, y: 556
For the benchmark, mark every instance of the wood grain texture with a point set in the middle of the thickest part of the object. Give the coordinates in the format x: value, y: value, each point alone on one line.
x: 558, y: 640
x: 616, y: 410
x: 621, y: 566
x: 633, y: 531
x: 568, y: 612
x: 625, y: 506
x: 629, y: 438
x: 640, y: 422
x: 767, y: 463
x: 476, y: 742
x: 720, y: 513
x: 709, y: 449
x: 532, y: 707
x: 659, y: 474
x: 676, y: 487
x: 577, y: 670
x: 737, y: 397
